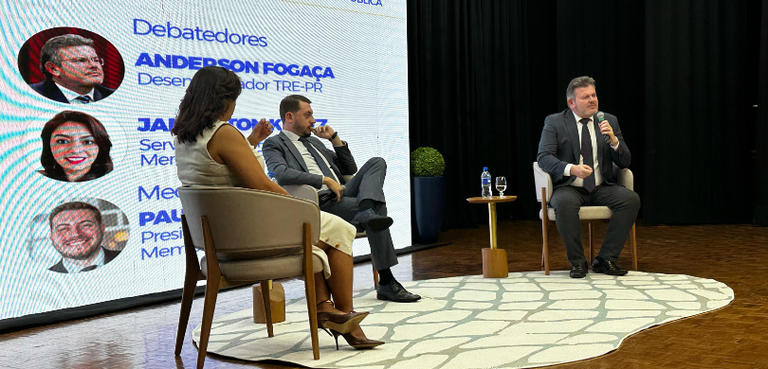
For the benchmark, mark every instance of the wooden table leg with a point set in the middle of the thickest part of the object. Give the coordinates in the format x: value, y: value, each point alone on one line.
x: 495, y: 263
x: 494, y: 259
x: 492, y: 223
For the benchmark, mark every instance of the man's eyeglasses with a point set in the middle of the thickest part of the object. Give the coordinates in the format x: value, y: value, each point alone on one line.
x: 95, y: 60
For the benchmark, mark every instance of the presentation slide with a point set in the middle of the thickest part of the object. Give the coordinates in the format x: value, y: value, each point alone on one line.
x: 89, y: 95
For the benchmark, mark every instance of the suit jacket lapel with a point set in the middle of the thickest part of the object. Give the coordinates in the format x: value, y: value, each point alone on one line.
x: 59, y: 267
x: 292, y: 148
x: 97, y: 95
x: 573, y: 133
x: 54, y: 92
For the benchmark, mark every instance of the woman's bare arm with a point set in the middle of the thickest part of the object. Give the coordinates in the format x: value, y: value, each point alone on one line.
x: 228, y: 147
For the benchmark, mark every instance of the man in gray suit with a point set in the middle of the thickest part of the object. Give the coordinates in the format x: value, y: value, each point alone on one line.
x: 579, y: 148
x: 296, y: 157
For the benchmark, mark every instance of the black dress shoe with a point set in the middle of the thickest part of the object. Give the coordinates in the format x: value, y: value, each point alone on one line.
x: 607, y: 267
x: 394, y: 291
x: 579, y: 271
x: 371, y: 221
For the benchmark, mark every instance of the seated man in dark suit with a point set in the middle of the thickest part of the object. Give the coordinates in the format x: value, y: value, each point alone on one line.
x: 72, y: 69
x: 76, y: 233
x: 296, y: 157
x: 578, y: 148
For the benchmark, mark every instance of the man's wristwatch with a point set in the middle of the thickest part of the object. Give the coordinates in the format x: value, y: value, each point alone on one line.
x: 334, y: 135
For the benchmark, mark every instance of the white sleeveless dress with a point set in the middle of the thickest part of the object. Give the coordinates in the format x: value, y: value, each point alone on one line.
x: 196, y: 167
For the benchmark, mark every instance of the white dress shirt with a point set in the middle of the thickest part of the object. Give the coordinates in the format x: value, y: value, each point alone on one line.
x: 72, y: 96
x: 578, y: 182
x: 77, y: 268
x: 309, y: 160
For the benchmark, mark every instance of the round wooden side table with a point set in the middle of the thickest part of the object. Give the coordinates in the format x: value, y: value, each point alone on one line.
x: 494, y: 259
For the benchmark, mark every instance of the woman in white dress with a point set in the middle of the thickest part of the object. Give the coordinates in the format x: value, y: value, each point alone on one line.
x: 211, y: 152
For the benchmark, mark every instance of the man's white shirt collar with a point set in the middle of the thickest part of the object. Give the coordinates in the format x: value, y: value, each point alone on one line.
x: 76, y: 268
x: 72, y: 95
x: 291, y: 136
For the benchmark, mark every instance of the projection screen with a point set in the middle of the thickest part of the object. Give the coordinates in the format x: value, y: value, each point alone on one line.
x: 348, y: 57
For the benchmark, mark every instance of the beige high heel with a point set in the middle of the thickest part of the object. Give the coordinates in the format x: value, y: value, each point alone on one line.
x: 340, y: 323
x: 356, y: 343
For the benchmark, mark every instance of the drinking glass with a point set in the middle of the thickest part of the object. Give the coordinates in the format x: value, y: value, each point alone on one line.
x: 501, y: 185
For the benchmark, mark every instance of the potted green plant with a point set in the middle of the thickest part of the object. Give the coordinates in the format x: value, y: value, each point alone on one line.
x: 427, y: 167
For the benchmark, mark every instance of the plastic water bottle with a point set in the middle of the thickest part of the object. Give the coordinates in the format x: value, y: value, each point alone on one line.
x: 271, y: 176
x: 486, y: 177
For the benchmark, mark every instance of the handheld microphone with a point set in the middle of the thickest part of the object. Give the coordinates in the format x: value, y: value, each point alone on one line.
x: 600, y: 119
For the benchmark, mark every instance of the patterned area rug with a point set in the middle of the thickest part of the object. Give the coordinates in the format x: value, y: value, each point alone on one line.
x: 523, y: 321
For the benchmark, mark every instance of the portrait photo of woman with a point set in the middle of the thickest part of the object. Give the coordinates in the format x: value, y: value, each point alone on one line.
x: 76, y: 148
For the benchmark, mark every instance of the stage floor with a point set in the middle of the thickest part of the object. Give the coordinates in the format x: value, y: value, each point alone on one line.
x: 733, y: 337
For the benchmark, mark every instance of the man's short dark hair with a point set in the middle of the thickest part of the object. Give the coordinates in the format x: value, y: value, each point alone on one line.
x: 75, y: 205
x: 292, y: 104
x: 578, y: 82
x: 50, y: 50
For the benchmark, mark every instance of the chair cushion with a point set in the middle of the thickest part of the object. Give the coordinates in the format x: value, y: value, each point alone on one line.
x: 263, y: 269
x: 585, y: 213
x: 261, y: 252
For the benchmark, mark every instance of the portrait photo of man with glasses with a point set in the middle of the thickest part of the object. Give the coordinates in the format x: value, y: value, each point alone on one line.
x: 73, y: 70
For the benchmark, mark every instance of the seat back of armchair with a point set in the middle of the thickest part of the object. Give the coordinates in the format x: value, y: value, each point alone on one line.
x: 248, y: 223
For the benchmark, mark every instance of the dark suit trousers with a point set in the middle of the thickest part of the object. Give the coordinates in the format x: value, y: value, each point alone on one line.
x: 567, y: 200
x: 368, y: 183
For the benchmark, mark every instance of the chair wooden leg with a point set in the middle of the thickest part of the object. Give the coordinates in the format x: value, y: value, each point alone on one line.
x: 545, y: 249
x: 191, y: 277
x: 375, y: 276
x: 309, y: 290
x: 634, y: 247
x: 188, y: 294
x: 267, y: 307
x: 211, y: 292
x: 591, y: 245
x: 544, y: 231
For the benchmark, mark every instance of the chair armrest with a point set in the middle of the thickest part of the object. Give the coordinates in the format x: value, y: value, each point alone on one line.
x: 305, y: 192
x: 627, y: 178
x: 542, y: 179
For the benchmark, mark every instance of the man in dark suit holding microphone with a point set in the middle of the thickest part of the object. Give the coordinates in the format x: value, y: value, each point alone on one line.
x: 578, y: 148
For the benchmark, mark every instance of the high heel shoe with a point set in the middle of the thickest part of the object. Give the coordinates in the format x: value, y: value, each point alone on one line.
x: 340, y: 323
x: 356, y: 343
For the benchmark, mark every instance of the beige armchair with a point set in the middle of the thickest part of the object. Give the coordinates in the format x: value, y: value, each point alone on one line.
x: 248, y: 236
x: 544, y: 190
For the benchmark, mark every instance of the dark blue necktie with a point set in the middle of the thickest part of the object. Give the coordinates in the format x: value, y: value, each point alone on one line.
x: 85, y: 99
x: 586, y: 153
x: 320, y: 162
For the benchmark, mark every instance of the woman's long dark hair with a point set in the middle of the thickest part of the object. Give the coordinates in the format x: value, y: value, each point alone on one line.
x: 103, y: 163
x: 207, y: 98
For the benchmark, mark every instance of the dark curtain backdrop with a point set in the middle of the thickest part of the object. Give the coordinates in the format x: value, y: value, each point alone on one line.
x: 468, y: 77
x: 697, y: 104
x: 761, y: 138
x: 682, y: 77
